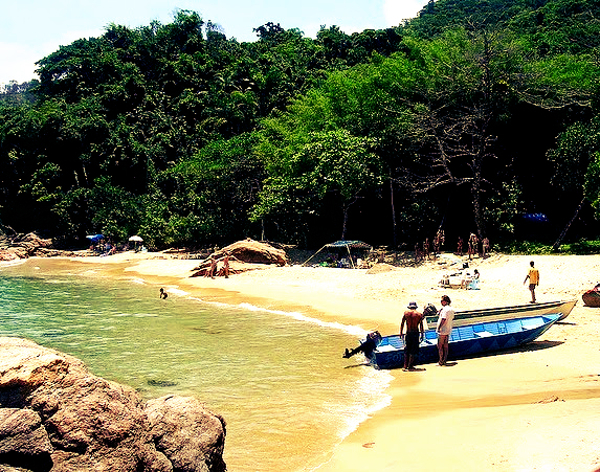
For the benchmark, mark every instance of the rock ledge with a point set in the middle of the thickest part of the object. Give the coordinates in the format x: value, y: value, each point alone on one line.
x: 56, y: 416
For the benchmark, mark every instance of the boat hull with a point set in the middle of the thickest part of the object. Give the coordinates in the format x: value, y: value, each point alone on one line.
x: 468, y: 317
x: 466, y: 341
x: 592, y: 297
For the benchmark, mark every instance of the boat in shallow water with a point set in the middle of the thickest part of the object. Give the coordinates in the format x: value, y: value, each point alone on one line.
x: 465, y: 341
x: 467, y: 317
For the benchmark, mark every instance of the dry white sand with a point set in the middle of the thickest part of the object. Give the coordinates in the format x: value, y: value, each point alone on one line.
x: 537, y: 409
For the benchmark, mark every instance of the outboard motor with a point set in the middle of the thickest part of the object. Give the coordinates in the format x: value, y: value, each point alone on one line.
x: 430, y: 310
x: 367, y: 346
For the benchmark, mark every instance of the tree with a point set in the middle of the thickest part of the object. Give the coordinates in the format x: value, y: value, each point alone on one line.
x: 331, y: 163
x: 576, y: 166
x: 15, y: 94
x: 592, y: 183
x: 465, y: 92
x: 210, y: 195
x: 431, y: 106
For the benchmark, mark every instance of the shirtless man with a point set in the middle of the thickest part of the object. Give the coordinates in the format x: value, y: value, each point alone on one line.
x: 212, y: 270
x: 473, y: 242
x: 414, y: 334
x: 226, y: 265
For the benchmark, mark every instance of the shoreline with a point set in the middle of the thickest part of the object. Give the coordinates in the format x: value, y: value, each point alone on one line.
x: 529, y: 409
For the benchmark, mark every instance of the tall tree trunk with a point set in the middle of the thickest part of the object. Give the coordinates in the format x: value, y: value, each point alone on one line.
x: 393, y: 213
x: 476, y: 193
x: 562, y: 235
x: 344, y: 221
x: 345, y: 210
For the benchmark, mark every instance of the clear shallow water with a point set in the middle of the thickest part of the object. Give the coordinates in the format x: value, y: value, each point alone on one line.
x: 277, y: 378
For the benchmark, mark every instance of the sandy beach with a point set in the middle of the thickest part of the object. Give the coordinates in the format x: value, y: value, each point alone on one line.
x: 533, y: 409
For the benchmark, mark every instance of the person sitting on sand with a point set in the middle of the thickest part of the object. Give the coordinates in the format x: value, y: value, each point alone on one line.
x: 414, y: 334
x: 163, y: 294
x: 474, y: 284
x: 465, y: 280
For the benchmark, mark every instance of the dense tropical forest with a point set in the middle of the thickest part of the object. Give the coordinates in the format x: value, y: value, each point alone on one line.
x: 476, y: 116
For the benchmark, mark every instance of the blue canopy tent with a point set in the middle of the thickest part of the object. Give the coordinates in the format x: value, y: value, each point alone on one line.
x: 343, y: 244
x: 94, y: 238
x: 536, y: 217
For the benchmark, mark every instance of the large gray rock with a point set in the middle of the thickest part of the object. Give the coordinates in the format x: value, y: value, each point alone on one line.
x: 187, y: 433
x: 56, y: 416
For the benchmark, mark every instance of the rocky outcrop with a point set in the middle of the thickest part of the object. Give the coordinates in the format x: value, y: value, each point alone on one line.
x: 254, y: 252
x: 175, y: 421
x: 56, y: 416
x: 246, y: 251
x: 23, y: 246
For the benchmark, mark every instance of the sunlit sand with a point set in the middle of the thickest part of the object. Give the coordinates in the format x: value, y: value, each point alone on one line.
x: 534, y: 408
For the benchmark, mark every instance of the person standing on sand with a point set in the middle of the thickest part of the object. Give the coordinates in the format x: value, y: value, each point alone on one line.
x: 226, y: 265
x: 473, y: 244
x: 444, y: 328
x: 533, y: 275
x: 414, y: 334
x: 212, y: 269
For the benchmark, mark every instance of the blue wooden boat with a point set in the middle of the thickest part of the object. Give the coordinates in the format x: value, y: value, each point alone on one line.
x: 465, y: 341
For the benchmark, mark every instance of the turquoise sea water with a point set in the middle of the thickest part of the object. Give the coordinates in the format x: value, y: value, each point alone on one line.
x: 277, y: 378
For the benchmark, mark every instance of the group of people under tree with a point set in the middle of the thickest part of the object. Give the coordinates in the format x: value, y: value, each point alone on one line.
x: 475, y: 246
x: 426, y: 250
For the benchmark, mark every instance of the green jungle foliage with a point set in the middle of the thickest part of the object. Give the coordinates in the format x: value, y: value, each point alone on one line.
x: 467, y: 119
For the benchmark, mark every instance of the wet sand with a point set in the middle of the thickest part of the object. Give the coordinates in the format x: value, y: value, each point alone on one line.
x: 536, y: 408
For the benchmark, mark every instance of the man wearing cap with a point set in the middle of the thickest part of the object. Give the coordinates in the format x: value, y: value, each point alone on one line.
x: 414, y: 334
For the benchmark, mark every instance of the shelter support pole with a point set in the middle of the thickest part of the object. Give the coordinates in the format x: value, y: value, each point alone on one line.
x: 306, y: 261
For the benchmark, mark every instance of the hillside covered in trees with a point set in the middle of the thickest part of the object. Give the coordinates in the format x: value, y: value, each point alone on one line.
x: 472, y: 117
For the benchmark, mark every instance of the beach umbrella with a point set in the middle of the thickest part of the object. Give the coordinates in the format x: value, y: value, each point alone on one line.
x: 136, y: 239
